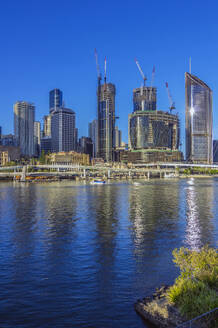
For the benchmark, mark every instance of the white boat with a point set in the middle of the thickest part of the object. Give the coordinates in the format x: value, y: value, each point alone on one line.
x: 98, y: 181
x: 170, y: 175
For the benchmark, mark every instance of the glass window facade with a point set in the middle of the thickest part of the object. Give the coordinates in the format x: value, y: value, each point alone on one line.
x: 55, y: 99
x: 154, y: 130
x: 198, y: 120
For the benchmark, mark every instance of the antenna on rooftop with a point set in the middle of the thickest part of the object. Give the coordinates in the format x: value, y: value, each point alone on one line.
x: 190, y: 65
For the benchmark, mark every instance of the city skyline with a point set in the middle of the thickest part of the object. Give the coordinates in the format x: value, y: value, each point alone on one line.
x: 47, y: 67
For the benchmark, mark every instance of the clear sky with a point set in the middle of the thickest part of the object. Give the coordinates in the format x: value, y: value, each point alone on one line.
x: 48, y: 44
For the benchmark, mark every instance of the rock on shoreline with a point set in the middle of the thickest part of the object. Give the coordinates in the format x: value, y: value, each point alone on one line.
x: 158, y: 311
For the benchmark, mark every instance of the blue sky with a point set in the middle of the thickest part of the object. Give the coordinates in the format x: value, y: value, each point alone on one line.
x: 48, y: 44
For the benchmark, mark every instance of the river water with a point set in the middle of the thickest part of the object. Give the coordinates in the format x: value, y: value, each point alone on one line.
x: 79, y: 255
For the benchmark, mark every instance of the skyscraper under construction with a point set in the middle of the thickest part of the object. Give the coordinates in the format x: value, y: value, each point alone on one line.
x: 144, y: 98
x: 106, y: 117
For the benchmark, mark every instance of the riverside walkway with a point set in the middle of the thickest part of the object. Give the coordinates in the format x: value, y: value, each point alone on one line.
x: 77, y: 171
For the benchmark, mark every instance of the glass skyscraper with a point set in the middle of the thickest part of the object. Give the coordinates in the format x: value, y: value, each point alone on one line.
x: 63, y: 131
x: 198, y: 120
x: 55, y: 99
x: 24, y: 117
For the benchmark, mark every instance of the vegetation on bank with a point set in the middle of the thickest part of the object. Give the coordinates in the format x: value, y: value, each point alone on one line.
x: 200, y: 171
x: 195, y: 291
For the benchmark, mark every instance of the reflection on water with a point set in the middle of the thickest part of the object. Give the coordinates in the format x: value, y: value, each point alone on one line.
x: 199, y: 203
x: 76, y: 255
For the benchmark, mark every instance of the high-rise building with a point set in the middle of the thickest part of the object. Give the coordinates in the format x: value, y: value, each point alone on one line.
x: 198, y: 98
x: 144, y: 98
x: 46, y: 145
x: 37, y: 137
x: 63, y: 130
x: 24, y: 117
x: 47, y: 126
x: 106, y: 120
x: 118, y: 137
x: 55, y: 99
x: 8, y: 140
x: 86, y: 146
x: 93, y: 134
x: 215, y: 151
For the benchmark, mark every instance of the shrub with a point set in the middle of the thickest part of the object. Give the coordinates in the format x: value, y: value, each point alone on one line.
x: 195, y: 290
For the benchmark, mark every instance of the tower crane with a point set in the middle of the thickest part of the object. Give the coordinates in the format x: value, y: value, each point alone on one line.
x: 152, y: 77
x: 152, y: 82
x: 97, y: 66
x: 105, y: 69
x: 140, y: 70
x: 172, y: 103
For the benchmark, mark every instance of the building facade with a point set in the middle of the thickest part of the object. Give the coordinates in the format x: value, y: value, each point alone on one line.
x: 70, y: 157
x: 118, y: 137
x: 8, y: 140
x: 63, y: 132
x: 93, y: 134
x: 8, y: 154
x: 153, y: 130
x: 46, y: 145
x: 47, y: 126
x: 24, y: 117
x: 55, y: 99
x: 198, y: 98
x: 86, y: 146
x: 144, y: 98
x: 215, y: 151
x: 37, y: 137
x: 106, y: 120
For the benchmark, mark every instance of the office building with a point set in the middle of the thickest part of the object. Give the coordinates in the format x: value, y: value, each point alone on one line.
x: 8, y: 140
x: 37, y: 137
x: 86, y: 146
x: 106, y: 120
x: 118, y: 137
x: 93, y: 134
x: 47, y: 126
x: 55, y: 99
x: 144, y: 98
x: 24, y: 117
x: 46, y: 145
x: 215, y: 151
x: 63, y: 132
x: 198, y: 97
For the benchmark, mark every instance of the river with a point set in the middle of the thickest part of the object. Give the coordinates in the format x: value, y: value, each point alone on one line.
x: 79, y: 255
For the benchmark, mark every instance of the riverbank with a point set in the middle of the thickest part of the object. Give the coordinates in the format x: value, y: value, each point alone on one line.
x: 193, y: 296
x: 157, y: 310
x: 59, y: 177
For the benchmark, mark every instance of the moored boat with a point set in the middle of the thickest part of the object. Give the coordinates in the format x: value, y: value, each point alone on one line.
x: 98, y: 181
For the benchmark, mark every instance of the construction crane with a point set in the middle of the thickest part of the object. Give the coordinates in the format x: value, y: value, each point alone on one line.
x: 97, y: 66
x: 152, y: 77
x: 152, y: 83
x: 105, y: 69
x: 140, y: 70
x: 172, y: 103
